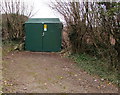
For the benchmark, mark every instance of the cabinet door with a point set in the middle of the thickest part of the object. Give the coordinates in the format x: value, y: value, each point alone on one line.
x: 33, y: 40
x: 52, y: 38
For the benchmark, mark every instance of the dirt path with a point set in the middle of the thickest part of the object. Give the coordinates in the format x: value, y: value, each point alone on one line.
x: 48, y: 73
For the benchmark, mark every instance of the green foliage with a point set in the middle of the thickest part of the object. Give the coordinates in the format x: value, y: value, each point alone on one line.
x: 96, y: 66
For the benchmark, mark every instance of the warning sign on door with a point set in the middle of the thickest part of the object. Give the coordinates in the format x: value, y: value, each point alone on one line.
x: 45, y: 27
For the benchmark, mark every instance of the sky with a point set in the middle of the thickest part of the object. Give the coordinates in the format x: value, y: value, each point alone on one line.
x: 42, y: 9
x: 45, y: 11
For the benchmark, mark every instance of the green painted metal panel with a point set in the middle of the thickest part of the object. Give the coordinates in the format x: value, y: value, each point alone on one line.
x: 33, y: 41
x: 52, y: 38
x: 43, y: 34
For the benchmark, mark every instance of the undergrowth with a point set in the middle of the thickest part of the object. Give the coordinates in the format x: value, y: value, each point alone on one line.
x: 8, y: 46
x: 95, y: 66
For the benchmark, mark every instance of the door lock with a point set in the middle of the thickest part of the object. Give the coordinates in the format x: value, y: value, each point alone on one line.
x: 43, y: 34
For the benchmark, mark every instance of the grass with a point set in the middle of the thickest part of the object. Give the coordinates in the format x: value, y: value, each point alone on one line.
x: 96, y: 66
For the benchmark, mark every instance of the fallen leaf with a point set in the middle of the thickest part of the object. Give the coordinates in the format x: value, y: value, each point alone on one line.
x: 102, y: 79
x: 24, y: 88
x: 45, y: 83
x: 95, y: 80
x: 75, y: 75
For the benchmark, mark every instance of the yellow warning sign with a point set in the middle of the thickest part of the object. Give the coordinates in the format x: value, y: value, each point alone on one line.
x: 45, y: 27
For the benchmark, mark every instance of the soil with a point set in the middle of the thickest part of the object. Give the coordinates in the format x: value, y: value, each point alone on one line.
x: 35, y: 72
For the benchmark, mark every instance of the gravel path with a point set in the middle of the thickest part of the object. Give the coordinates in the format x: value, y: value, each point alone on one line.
x: 35, y: 72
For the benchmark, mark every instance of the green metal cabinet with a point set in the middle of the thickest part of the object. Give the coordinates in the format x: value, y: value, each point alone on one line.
x: 43, y: 34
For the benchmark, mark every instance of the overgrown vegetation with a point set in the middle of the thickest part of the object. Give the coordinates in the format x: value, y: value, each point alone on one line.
x: 9, y: 46
x: 96, y: 66
x: 13, y: 26
x: 93, y: 28
x: 14, y: 14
